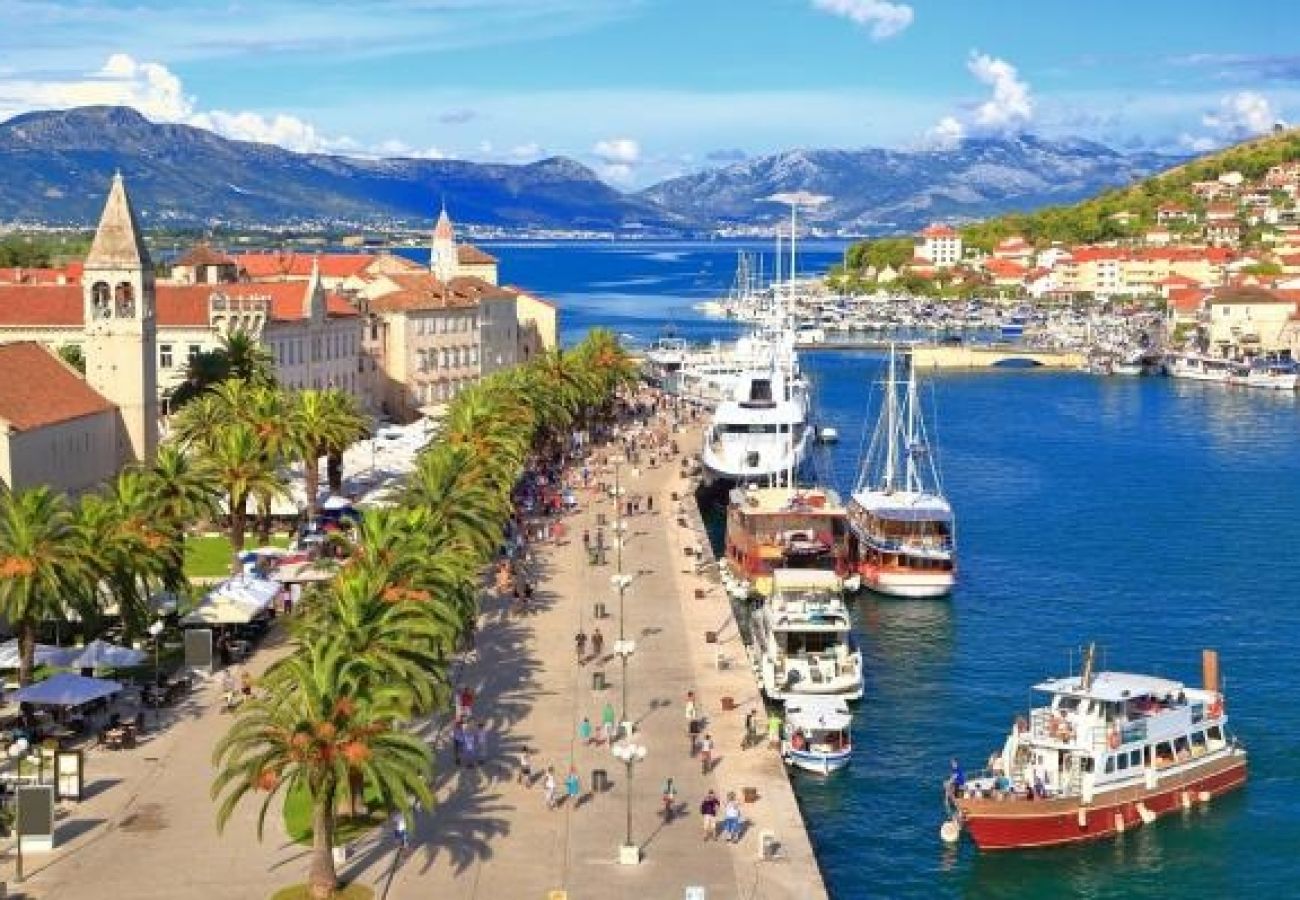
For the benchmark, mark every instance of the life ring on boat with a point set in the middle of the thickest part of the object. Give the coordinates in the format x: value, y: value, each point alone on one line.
x: 1216, y: 708
x: 1113, y: 739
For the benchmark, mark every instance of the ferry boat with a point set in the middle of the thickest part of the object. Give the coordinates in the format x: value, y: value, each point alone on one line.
x: 1199, y: 367
x: 761, y: 435
x: 816, y: 735
x: 1110, y: 751
x: 805, y: 640
x: 898, y: 516
x: 783, y: 528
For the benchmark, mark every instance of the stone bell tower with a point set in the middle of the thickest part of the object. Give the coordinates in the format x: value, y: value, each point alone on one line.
x: 121, y: 332
x: 443, y: 256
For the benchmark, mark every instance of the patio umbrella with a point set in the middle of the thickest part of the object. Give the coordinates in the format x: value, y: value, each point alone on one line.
x: 65, y: 689
x: 46, y: 655
x: 103, y: 655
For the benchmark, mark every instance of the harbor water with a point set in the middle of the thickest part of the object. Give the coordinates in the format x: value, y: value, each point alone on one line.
x: 1152, y: 516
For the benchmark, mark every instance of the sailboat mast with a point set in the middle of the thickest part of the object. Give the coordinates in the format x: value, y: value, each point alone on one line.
x: 776, y: 277
x: 911, y: 448
x: 891, y: 424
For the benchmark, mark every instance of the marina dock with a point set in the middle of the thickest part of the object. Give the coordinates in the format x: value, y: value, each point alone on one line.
x: 962, y: 356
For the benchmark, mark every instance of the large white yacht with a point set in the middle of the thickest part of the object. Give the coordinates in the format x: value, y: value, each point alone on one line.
x: 902, y: 522
x: 761, y: 435
x: 805, y: 640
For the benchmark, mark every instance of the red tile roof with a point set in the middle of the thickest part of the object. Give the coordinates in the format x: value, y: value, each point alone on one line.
x: 49, y: 391
x: 1244, y: 295
x: 34, y: 276
x: 469, y: 255
x: 424, y: 291
x: 289, y: 264
x: 1187, y: 299
x: 938, y: 231
x: 204, y: 255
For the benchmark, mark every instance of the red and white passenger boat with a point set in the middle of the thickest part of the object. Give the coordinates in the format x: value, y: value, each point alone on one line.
x: 1110, y: 752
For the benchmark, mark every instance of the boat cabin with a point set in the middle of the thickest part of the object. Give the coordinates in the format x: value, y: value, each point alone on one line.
x: 806, y: 638
x: 1109, y: 732
x: 780, y: 528
x: 905, y: 529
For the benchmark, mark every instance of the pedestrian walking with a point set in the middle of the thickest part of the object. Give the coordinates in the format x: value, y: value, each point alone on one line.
x: 572, y: 786
x: 650, y: 500
x: 709, y: 813
x: 584, y: 731
x: 586, y: 540
x: 464, y: 703
x: 669, y: 800
x: 468, y: 747
x: 481, y: 742
x: 731, y: 818
x: 548, y: 787
x: 773, y: 731
x: 400, y: 833
x: 525, y: 767
x: 457, y: 740
x: 706, y: 754
x: 597, y: 643
x: 749, y: 728
x: 607, y: 718
x: 580, y: 644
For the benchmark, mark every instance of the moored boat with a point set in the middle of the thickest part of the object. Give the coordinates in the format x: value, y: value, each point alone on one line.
x: 1109, y: 752
x: 899, y: 518
x: 805, y: 639
x: 780, y: 527
x: 816, y: 735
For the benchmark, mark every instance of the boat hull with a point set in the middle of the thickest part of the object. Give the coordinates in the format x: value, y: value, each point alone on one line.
x: 910, y: 583
x: 817, y: 763
x: 1020, y: 824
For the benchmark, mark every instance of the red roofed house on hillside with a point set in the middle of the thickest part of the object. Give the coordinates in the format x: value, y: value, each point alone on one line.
x: 1016, y: 249
x: 938, y: 246
x: 1249, y: 320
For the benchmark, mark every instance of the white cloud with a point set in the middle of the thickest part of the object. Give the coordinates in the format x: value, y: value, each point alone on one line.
x: 527, y: 152
x: 947, y: 134
x: 1011, y: 105
x: 1241, y: 115
x: 158, y: 93
x: 882, y: 18
x: 618, y: 151
x: 619, y: 173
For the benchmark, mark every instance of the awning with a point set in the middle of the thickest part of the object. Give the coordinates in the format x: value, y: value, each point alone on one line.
x: 65, y: 689
x: 101, y: 654
x: 45, y: 655
x: 236, y: 601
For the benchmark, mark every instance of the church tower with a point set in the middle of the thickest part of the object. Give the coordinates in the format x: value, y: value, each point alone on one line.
x: 121, y: 337
x: 443, y: 259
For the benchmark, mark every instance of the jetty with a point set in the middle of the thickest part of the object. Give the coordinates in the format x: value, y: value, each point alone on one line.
x: 963, y: 355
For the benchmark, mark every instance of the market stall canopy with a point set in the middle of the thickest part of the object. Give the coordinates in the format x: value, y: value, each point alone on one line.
x: 45, y: 655
x: 103, y: 655
x: 236, y: 601
x: 65, y: 689
x: 303, y: 572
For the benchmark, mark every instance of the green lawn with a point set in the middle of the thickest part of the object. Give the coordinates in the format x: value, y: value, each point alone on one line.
x: 208, y: 555
x: 297, y: 820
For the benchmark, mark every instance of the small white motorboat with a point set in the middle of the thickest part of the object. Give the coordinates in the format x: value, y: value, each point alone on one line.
x: 817, y: 734
x: 827, y: 435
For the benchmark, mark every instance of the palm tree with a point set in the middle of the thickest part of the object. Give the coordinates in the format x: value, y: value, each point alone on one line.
x: 184, y: 488
x: 318, y: 732
x: 198, y: 422
x: 243, y: 470
x: 42, y: 562
x: 324, y: 423
x: 247, y: 358
x: 128, y: 544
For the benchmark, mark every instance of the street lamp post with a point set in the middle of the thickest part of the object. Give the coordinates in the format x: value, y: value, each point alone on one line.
x: 629, y: 854
x: 156, y: 630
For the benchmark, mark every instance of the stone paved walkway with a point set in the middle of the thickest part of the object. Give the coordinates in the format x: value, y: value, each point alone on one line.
x: 148, y: 832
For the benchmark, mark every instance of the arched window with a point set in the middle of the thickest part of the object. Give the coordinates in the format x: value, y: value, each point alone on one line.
x: 124, y: 295
x: 101, y: 300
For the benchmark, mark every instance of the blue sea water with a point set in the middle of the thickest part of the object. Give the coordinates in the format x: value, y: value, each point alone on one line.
x: 1153, y: 516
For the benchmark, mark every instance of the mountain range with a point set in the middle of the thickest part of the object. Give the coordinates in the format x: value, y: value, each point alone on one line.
x: 54, y: 167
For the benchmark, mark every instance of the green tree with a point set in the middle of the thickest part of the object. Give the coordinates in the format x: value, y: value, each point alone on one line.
x: 73, y: 356
x: 244, y: 471
x: 42, y: 562
x: 319, y: 731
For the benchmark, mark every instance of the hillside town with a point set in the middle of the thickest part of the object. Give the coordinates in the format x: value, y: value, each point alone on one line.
x: 1225, y: 268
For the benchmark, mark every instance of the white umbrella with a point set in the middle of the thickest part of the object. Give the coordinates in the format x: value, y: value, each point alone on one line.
x: 46, y: 655
x: 103, y: 655
x: 335, y: 503
x: 65, y: 689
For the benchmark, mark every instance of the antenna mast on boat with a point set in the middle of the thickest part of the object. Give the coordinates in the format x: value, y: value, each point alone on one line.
x: 891, y: 423
x: 913, y: 483
x: 1085, y: 677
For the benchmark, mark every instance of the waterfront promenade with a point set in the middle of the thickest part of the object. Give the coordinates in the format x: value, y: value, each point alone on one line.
x: 148, y: 830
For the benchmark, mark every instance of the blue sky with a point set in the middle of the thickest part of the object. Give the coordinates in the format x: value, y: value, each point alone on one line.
x: 643, y: 89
